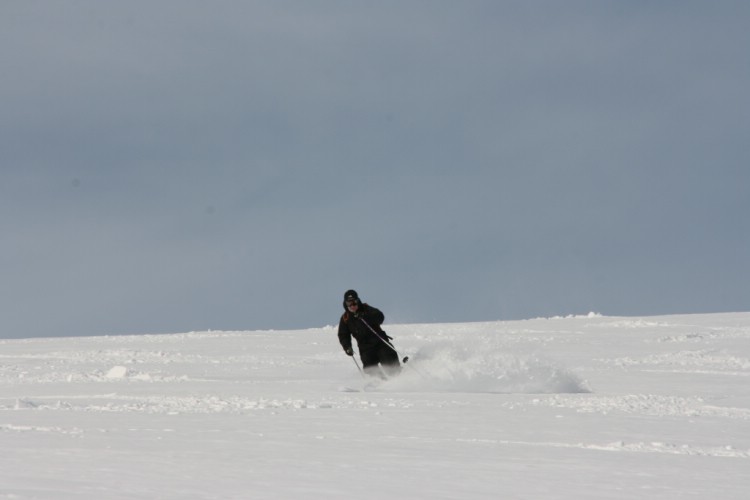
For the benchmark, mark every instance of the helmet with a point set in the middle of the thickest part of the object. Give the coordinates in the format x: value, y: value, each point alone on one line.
x: 351, y: 296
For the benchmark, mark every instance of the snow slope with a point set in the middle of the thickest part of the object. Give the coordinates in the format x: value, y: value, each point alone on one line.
x: 562, y: 408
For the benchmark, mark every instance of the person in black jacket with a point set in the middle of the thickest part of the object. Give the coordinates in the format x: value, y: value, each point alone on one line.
x: 363, y: 322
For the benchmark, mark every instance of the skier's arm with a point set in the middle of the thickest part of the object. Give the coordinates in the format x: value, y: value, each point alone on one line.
x: 377, y: 315
x: 345, y: 336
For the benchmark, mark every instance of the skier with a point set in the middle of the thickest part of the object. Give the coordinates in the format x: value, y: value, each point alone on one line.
x: 362, y: 322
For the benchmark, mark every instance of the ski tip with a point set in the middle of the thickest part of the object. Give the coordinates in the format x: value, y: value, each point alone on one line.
x: 406, y: 358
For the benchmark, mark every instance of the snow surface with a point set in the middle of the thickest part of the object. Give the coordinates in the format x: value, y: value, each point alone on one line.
x: 561, y: 408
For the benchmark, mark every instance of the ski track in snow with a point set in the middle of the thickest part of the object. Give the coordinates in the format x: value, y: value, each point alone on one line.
x: 645, y: 404
x: 621, y: 446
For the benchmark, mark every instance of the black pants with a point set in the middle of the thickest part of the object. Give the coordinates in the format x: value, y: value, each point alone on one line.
x: 381, y: 354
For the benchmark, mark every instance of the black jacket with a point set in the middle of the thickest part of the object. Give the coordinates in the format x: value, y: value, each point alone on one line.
x: 353, y: 325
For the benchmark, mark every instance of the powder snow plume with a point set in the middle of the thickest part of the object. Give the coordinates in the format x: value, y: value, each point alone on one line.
x: 448, y: 367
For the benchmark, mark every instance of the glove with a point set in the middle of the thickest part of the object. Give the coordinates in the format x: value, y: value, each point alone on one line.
x: 348, y: 351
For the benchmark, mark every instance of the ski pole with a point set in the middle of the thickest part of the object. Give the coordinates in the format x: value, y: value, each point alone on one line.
x: 358, y: 367
x: 378, y: 335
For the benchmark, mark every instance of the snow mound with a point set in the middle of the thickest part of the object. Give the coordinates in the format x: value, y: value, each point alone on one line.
x: 117, y: 372
x: 591, y: 314
x: 454, y: 368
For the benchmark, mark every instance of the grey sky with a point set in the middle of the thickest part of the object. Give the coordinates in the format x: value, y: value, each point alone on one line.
x: 174, y: 166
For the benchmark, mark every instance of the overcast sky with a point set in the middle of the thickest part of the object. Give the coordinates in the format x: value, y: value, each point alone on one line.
x: 170, y: 166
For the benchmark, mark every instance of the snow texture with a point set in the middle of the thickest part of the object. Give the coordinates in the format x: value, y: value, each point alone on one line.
x: 575, y: 407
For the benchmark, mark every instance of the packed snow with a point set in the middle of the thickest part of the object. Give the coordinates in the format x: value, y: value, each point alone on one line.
x: 577, y: 407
